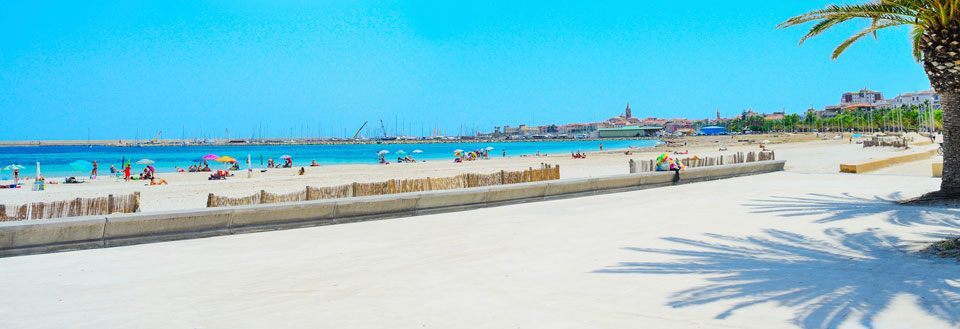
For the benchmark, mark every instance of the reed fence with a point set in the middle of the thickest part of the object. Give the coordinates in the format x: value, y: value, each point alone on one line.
x: 393, y: 186
x: 71, y: 208
x: 694, y: 162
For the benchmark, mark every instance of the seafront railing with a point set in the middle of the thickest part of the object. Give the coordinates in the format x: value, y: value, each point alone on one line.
x: 695, y: 162
x: 544, y: 173
x: 111, y: 204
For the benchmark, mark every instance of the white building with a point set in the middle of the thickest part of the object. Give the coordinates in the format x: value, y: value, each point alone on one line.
x: 864, y: 96
x: 917, y: 99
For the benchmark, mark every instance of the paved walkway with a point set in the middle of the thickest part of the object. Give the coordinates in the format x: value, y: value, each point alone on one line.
x: 770, y: 251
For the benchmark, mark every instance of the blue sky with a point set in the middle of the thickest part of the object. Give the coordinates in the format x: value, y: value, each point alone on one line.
x: 116, y: 67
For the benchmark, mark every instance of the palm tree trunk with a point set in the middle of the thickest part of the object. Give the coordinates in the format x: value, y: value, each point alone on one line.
x: 942, y: 64
x: 950, y: 104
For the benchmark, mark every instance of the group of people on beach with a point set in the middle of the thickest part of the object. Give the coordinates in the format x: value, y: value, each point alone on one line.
x: 200, y: 167
x: 472, y: 155
x: 287, y: 163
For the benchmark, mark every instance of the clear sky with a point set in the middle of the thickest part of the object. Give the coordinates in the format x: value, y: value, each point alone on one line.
x: 116, y: 67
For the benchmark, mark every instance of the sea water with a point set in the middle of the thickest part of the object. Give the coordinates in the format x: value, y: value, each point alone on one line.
x: 55, y: 160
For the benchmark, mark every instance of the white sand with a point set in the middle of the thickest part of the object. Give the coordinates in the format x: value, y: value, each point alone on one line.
x: 556, y: 264
x: 189, y: 190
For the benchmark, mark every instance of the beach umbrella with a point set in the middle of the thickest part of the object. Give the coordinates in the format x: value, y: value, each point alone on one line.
x: 145, y: 161
x: 489, y: 148
x: 382, y: 152
x: 458, y: 151
x: 417, y: 151
x: 14, y: 166
x: 401, y: 152
x: 81, y: 165
x: 210, y: 157
x: 285, y: 156
x: 225, y: 159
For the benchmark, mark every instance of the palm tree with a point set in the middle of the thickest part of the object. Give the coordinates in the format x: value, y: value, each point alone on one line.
x: 935, y: 30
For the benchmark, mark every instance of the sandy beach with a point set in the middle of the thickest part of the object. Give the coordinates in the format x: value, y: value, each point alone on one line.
x: 803, y: 152
x: 780, y: 250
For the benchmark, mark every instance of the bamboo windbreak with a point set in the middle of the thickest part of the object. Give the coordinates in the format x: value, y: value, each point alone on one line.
x: 393, y: 186
x: 71, y: 208
x: 694, y: 162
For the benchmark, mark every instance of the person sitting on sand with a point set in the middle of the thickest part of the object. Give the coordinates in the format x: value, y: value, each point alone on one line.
x: 113, y: 170
x: 409, y: 159
x: 206, y: 167
x: 314, y: 163
x: 269, y: 163
x: 302, y: 171
x: 158, y: 181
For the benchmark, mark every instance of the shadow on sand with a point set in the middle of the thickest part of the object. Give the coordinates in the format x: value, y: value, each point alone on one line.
x: 827, y: 282
x: 833, y: 208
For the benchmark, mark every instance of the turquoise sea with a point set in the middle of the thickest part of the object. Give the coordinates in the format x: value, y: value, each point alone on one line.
x: 56, y: 161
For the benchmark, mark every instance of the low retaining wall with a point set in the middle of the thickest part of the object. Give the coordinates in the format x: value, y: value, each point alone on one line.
x: 937, y: 168
x: 20, y: 238
x: 886, y: 162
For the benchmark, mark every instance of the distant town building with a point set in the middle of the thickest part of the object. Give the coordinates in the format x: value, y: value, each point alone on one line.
x: 630, y: 131
x: 626, y: 119
x: 863, y: 96
x: 776, y: 115
x: 578, y: 128
x: 917, y: 99
x: 863, y: 100
x: 713, y: 130
x: 748, y: 113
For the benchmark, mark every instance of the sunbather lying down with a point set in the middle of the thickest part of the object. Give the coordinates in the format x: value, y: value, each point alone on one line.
x: 158, y: 181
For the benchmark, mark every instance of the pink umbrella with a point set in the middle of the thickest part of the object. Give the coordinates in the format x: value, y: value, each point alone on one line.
x: 210, y: 157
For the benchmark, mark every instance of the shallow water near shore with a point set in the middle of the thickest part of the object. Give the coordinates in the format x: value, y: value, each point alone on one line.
x: 55, y: 160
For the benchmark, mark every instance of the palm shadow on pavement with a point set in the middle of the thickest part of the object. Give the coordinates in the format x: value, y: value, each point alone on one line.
x: 827, y: 282
x: 832, y: 208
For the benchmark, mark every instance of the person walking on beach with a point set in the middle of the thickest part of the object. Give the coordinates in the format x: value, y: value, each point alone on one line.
x: 93, y: 173
x: 504, y: 153
x: 601, y: 147
x: 16, y: 175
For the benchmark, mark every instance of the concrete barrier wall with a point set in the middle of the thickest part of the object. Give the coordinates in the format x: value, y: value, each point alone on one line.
x: 872, y: 165
x: 29, y: 237
x: 937, y: 168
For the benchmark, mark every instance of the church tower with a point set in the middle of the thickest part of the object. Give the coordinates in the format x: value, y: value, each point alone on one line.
x: 628, y: 114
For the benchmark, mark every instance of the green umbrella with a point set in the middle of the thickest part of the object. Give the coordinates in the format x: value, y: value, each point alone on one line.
x: 14, y: 166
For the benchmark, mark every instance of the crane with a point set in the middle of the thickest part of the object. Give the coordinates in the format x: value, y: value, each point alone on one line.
x: 157, y: 138
x: 383, y: 128
x: 358, y: 130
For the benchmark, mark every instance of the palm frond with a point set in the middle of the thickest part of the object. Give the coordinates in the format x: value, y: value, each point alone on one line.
x: 872, y: 29
x: 921, y: 15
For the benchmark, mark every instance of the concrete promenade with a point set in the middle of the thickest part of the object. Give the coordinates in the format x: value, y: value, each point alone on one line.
x: 778, y: 250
